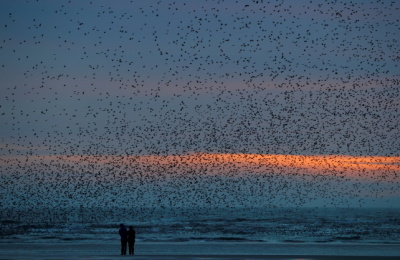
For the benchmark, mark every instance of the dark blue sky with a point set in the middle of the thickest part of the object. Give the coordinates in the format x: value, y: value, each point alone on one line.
x: 297, y: 77
x: 178, y: 77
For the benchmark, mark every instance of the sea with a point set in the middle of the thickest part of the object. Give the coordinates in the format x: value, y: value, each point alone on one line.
x: 202, y: 225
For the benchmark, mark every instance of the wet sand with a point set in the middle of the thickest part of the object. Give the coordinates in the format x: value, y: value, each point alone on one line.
x: 204, y: 257
x: 199, y: 251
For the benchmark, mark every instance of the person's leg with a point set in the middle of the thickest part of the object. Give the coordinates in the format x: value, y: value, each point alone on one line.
x: 130, y: 248
x: 123, y: 247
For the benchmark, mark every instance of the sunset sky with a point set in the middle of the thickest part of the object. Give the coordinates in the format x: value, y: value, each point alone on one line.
x: 243, y: 103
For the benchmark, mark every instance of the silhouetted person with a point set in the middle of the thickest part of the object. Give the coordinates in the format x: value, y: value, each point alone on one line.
x: 131, y: 240
x: 124, y: 238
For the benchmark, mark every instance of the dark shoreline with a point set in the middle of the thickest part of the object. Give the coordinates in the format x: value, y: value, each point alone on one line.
x: 199, y: 257
x: 199, y: 251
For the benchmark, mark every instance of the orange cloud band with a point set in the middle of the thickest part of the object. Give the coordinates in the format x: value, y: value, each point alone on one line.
x: 359, y: 167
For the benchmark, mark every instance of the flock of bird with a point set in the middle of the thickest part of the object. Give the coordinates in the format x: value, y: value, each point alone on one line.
x: 130, y: 79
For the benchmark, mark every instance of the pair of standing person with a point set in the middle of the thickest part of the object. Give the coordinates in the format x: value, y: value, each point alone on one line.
x: 127, y: 237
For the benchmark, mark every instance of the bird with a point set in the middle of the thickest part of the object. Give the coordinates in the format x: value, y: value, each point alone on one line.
x: 216, y: 104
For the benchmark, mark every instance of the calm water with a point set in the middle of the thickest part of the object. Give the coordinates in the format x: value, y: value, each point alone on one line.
x: 203, y: 225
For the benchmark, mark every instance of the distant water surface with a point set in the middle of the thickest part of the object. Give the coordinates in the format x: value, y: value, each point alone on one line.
x: 189, y: 225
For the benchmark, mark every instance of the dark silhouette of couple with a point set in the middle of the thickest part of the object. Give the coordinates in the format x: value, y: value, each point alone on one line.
x: 127, y: 237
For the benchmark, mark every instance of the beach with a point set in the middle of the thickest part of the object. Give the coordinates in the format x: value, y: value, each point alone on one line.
x: 202, y: 234
x: 197, y: 251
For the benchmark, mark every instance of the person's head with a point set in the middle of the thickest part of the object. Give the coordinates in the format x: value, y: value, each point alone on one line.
x: 121, y: 225
x: 130, y: 227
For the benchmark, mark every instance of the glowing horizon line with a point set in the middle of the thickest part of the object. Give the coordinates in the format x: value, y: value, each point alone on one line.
x: 359, y: 167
